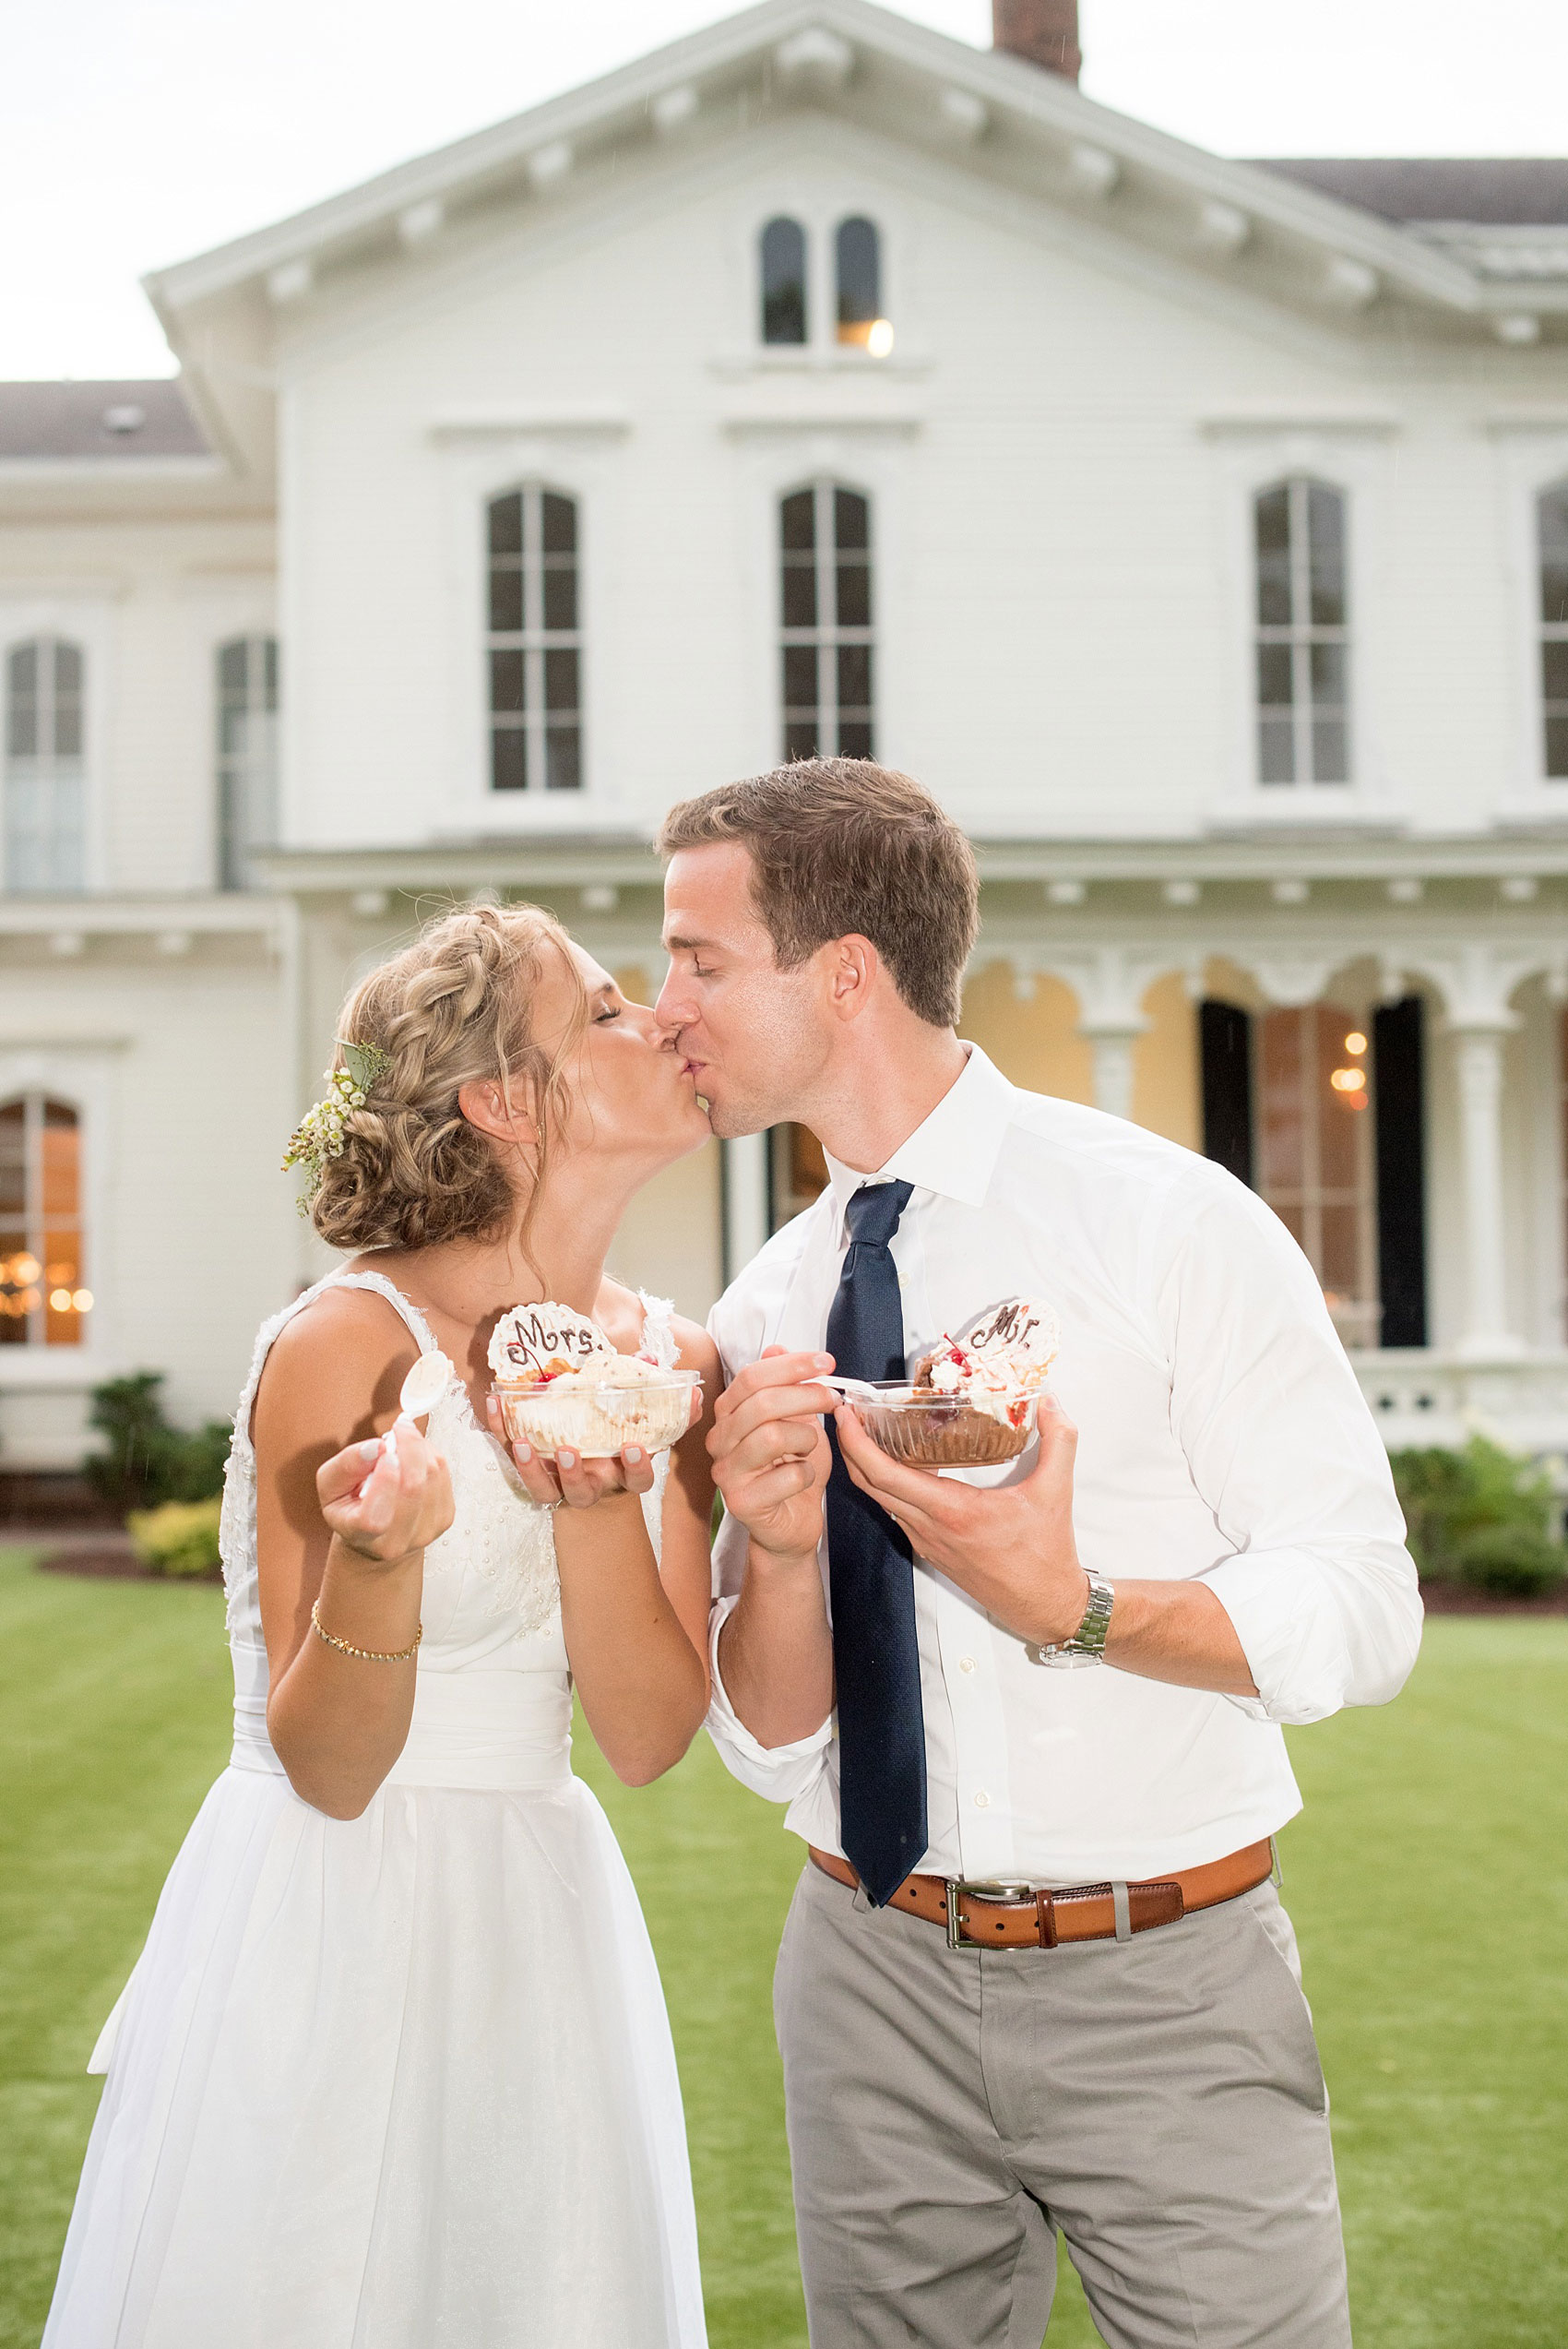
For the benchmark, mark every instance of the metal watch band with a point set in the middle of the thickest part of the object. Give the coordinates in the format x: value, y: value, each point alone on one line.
x: 1088, y: 1642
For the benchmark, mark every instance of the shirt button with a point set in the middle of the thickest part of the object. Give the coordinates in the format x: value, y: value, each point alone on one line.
x: 966, y: 1664
x: 982, y: 1800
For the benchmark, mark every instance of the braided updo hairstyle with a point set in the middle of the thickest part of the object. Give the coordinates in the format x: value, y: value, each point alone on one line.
x: 452, y: 1009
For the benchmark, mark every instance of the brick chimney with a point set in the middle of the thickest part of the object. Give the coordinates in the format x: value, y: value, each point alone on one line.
x: 1045, y: 31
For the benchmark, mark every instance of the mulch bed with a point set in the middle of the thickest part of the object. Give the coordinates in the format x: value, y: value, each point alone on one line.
x: 1458, y: 1598
x: 90, y: 1554
x: 109, y: 1558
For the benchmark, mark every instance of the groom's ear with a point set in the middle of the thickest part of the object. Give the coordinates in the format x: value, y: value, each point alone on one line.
x: 486, y: 1105
x: 853, y: 964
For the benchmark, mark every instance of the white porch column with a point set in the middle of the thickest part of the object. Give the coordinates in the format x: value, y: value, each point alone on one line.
x: 746, y: 1193
x: 1110, y: 984
x: 1112, y: 1049
x: 1479, y: 1062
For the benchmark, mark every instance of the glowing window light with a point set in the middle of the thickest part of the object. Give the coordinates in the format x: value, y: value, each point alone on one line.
x: 879, y: 337
x: 1355, y: 1042
x: 81, y: 1301
x: 1347, y: 1080
x: 60, y: 1301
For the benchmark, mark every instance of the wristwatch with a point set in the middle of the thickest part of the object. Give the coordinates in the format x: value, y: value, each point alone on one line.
x: 1088, y: 1642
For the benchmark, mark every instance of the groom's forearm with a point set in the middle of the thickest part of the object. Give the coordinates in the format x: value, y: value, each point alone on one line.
x: 1178, y: 1632
x: 775, y: 1650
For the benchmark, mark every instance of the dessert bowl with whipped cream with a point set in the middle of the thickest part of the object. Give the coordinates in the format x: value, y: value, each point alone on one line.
x: 561, y: 1385
x: 970, y: 1402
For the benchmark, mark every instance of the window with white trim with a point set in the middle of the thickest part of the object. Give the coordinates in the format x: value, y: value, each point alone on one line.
x: 247, y: 755
x: 535, y: 642
x: 825, y: 600
x: 1302, y: 645
x: 1552, y: 514
x: 45, y: 772
x: 42, y: 1299
x: 783, y: 258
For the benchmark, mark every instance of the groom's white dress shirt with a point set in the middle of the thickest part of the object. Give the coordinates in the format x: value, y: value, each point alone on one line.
x: 1221, y: 1438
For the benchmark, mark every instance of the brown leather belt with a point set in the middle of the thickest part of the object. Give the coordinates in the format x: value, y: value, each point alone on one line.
x: 991, y: 1916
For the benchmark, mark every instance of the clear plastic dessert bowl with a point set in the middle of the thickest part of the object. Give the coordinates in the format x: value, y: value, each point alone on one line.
x: 598, y: 1417
x: 943, y: 1431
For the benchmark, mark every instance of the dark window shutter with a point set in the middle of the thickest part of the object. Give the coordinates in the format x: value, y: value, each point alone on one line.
x: 1226, y: 1037
x: 1401, y: 1172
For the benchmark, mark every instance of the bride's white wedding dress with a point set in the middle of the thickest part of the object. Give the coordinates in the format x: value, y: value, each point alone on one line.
x: 402, y: 2082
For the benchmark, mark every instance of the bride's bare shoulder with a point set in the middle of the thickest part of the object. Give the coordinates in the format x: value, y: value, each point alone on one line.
x: 619, y: 1313
x: 347, y: 1350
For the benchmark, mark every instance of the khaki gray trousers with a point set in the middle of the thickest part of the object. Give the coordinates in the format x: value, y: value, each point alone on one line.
x: 1158, y: 2100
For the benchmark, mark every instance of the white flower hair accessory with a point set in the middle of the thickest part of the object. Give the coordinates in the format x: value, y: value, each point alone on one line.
x: 320, y: 1132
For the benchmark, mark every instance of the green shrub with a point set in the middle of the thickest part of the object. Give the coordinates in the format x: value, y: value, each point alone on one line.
x: 1482, y: 1502
x: 146, y: 1462
x: 179, y: 1539
x: 1512, y: 1561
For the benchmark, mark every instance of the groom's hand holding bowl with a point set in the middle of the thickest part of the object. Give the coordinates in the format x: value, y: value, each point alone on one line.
x: 1011, y: 1547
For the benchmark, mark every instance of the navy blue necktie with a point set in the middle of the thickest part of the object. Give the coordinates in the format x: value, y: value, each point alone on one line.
x: 876, y: 1659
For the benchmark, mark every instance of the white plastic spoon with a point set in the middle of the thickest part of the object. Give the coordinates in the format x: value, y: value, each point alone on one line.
x: 427, y: 1381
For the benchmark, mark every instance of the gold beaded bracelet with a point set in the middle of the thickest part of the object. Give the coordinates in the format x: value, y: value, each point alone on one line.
x: 366, y: 1656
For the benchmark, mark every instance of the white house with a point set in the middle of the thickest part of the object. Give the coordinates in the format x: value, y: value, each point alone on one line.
x: 1197, y: 528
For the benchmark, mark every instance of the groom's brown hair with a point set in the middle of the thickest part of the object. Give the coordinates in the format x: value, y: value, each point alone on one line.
x: 841, y: 846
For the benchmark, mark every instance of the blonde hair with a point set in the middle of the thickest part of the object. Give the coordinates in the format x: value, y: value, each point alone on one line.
x: 455, y: 1008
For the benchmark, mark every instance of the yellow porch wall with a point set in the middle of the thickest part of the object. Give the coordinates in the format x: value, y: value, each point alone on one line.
x: 1035, y: 1044
x: 1167, y: 1093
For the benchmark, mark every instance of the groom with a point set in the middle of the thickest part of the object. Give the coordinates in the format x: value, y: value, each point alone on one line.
x: 1035, y: 1974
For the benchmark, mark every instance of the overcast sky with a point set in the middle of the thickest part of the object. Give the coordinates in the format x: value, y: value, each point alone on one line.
x: 136, y: 132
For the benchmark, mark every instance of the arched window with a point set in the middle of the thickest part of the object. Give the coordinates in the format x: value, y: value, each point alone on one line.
x: 825, y: 554
x: 783, y: 281
x: 43, y: 1301
x: 1302, y: 641
x: 45, y: 778
x: 535, y: 642
x: 857, y: 256
x: 1553, y: 516
x: 247, y: 755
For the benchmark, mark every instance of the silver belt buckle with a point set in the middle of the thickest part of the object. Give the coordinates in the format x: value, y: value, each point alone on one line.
x: 983, y: 1889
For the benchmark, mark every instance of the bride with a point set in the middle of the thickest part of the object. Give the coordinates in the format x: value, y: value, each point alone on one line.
x: 393, y: 2070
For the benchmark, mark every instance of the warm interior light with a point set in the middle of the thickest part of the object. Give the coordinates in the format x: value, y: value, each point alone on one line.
x: 873, y: 335
x: 82, y: 1300
x: 59, y: 1301
x: 23, y: 1269
x: 1355, y: 1040
x: 1347, y: 1080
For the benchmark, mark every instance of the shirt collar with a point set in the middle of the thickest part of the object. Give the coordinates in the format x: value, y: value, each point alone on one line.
x: 952, y: 1151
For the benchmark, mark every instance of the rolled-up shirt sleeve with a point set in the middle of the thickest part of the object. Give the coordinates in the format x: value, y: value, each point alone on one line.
x: 1281, y: 1445
x: 780, y: 1773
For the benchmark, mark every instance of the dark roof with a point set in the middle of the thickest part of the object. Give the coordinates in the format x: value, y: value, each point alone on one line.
x: 1507, y: 191
x: 109, y: 419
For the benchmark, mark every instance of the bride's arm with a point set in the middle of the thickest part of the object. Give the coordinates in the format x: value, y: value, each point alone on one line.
x: 342, y: 1523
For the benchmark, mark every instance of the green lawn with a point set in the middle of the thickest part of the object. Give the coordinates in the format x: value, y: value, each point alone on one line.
x: 1426, y: 1881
